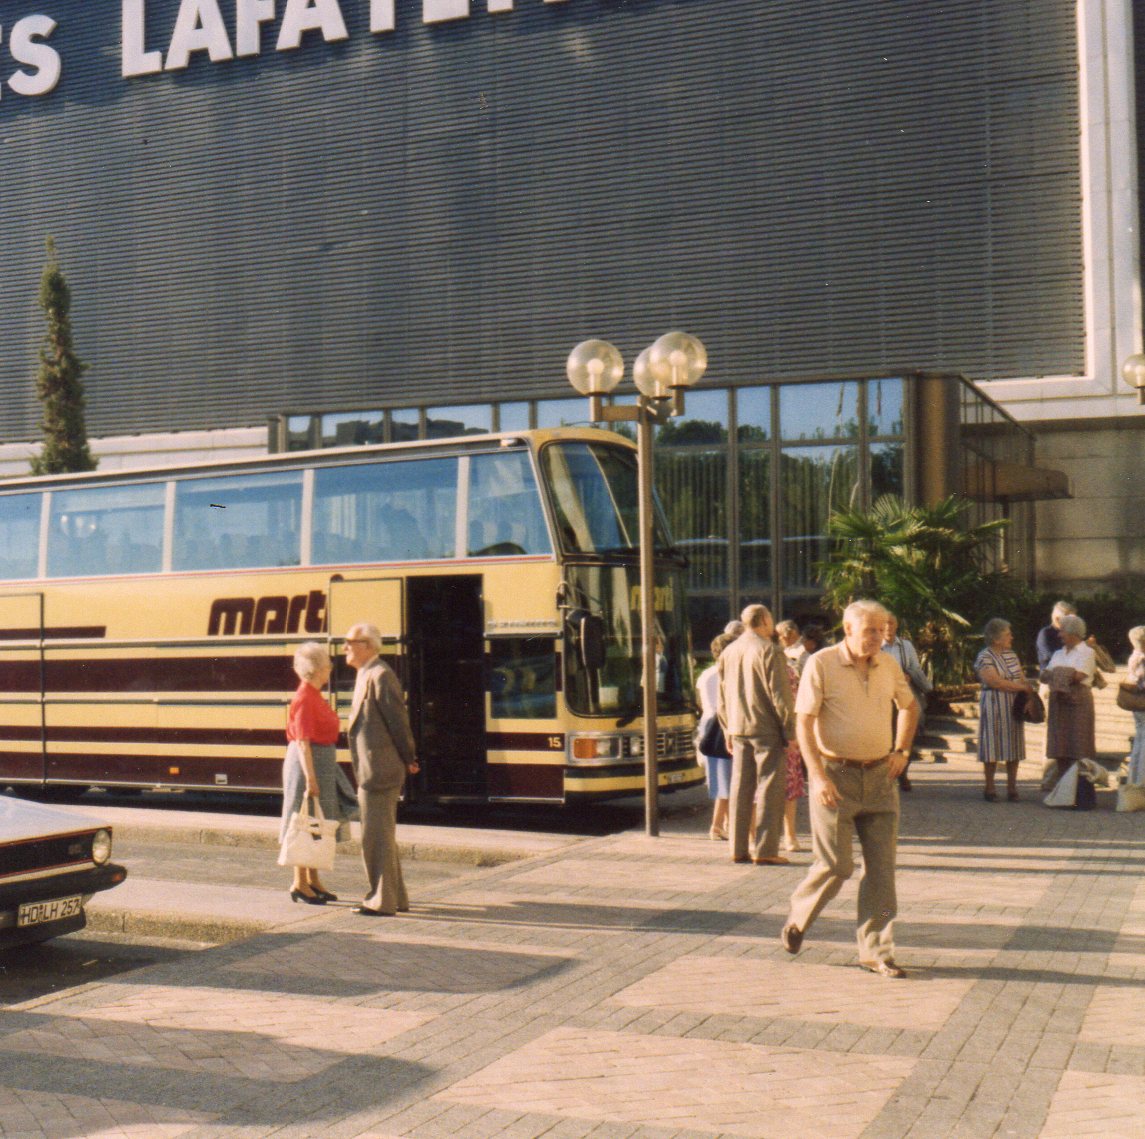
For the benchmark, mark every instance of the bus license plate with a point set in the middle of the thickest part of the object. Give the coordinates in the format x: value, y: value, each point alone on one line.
x: 36, y: 913
x: 675, y: 776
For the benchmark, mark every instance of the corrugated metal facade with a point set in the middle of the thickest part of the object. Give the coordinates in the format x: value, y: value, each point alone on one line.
x: 441, y: 212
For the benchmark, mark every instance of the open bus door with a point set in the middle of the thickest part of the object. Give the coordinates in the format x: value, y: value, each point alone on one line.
x: 447, y: 684
x: 23, y: 758
x: 433, y: 636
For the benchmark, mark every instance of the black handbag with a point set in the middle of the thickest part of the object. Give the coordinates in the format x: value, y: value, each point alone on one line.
x: 1028, y: 708
x: 711, y: 740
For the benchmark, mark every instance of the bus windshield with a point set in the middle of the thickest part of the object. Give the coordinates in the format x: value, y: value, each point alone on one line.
x: 603, y: 657
x: 595, y: 497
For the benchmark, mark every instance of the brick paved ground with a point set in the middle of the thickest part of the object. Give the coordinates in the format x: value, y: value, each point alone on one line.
x: 630, y: 987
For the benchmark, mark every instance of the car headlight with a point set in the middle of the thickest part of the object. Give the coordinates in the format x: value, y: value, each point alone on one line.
x: 101, y: 847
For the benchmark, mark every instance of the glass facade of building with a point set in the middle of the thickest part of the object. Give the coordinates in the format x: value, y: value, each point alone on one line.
x: 749, y: 476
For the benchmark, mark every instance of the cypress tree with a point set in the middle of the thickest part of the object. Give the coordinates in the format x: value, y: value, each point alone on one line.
x: 59, y: 381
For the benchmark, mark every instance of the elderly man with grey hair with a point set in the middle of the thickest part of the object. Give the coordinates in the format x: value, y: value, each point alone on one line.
x: 756, y: 713
x: 843, y: 713
x: 382, y: 752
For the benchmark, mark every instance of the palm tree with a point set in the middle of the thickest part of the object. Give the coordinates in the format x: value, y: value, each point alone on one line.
x: 924, y: 564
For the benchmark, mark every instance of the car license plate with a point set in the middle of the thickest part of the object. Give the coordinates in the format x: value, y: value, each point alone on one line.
x: 36, y: 913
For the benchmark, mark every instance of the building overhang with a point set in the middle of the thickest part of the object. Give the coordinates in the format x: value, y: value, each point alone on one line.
x: 996, y: 481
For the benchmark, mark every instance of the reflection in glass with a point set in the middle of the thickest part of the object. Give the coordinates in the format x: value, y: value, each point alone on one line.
x: 814, y: 482
x: 885, y: 407
x: 561, y: 412
x: 755, y: 559
x: 753, y: 414
x: 19, y: 535
x: 463, y: 419
x: 611, y: 595
x: 705, y: 422
x: 353, y: 429
x: 298, y: 432
x: 106, y: 530
x: 513, y: 416
x: 819, y: 411
x: 692, y: 483
x: 380, y: 512
x: 886, y: 469
x: 405, y: 425
x: 522, y: 678
x: 238, y: 522
x: 596, y: 497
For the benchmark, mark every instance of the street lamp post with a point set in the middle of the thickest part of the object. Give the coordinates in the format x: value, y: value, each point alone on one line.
x: 1133, y: 373
x: 661, y: 372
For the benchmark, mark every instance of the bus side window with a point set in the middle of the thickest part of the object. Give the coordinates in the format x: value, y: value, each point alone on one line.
x: 19, y: 535
x: 106, y: 530
x: 238, y: 521
x: 504, y: 507
x: 385, y: 512
x: 523, y: 678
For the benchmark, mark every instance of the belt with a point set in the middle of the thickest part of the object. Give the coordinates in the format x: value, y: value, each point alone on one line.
x: 859, y: 762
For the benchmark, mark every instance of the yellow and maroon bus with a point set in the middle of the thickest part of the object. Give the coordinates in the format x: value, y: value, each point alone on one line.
x: 148, y: 617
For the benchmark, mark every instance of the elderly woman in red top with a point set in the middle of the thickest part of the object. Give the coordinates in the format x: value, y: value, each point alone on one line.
x: 312, y: 728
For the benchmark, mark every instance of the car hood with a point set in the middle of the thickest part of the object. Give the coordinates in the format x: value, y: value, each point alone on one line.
x: 20, y: 819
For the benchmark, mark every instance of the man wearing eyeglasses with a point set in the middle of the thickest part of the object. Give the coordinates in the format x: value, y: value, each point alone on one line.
x: 382, y: 751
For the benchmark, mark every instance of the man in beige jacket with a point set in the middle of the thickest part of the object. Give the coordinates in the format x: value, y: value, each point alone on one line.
x: 757, y: 714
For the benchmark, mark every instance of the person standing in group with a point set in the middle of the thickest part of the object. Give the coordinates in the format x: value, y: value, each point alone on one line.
x: 796, y: 779
x: 904, y: 652
x: 843, y: 714
x: 382, y: 751
x: 1049, y: 636
x: 1001, y: 736
x: 1070, y: 726
x: 718, y: 766
x: 1135, y: 674
x: 310, y: 768
x: 791, y: 640
x: 755, y: 710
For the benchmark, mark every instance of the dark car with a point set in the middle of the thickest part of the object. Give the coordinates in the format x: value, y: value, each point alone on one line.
x: 51, y: 862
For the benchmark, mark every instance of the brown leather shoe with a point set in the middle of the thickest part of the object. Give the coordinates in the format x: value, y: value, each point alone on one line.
x: 885, y: 968
x: 774, y: 860
x: 792, y: 938
x: 741, y: 858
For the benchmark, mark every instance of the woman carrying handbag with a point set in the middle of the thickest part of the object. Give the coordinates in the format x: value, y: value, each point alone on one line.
x: 310, y: 770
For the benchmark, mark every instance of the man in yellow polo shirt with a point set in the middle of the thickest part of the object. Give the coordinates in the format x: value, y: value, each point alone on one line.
x: 843, y: 722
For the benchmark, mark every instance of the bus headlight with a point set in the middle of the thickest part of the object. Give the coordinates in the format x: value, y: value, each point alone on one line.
x: 594, y: 749
x: 101, y: 847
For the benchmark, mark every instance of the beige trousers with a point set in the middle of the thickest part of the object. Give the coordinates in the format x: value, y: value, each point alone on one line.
x: 762, y: 764
x: 385, y: 889
x: 868, y: 806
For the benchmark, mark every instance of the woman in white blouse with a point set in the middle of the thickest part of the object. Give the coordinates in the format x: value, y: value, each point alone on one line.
x: 1069, y: 675
x: 1136, y: 675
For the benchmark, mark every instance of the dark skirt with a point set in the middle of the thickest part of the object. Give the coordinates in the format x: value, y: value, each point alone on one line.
x: 1070, y: 726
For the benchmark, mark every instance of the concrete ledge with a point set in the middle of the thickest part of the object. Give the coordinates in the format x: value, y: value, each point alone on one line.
x: 458, y: 845
x: 184, y: 927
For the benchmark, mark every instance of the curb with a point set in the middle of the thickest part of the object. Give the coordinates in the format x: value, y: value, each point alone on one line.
x: 466, y: 855
x: 183, y: 927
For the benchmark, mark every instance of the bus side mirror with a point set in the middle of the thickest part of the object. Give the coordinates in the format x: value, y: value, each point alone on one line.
x: 591, y: 641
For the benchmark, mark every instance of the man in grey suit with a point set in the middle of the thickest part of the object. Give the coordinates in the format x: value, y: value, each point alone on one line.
x: 757, y: 714
x: 382, y: 751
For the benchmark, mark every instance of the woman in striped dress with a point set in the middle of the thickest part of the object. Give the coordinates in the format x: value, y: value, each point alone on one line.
x: 1001, y: 737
